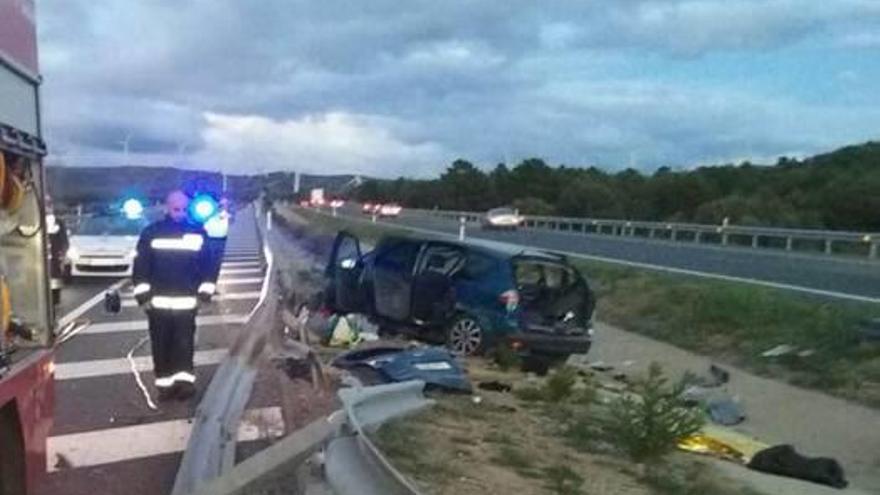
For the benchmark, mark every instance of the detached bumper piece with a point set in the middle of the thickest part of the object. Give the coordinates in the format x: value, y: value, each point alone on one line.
x: 436, y: 366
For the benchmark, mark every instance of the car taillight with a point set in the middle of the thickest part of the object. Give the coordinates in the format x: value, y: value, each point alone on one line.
x: 510, y: 299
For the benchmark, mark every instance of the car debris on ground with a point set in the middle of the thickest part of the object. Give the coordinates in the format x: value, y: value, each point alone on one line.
x: 783, y: 460
x: 436, y: 366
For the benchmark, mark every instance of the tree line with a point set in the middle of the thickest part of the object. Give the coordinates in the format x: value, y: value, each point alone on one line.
x: 836, y: 190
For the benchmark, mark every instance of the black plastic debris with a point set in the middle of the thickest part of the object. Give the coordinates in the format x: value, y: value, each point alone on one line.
x: 495, y: 386
x: 783, y: 460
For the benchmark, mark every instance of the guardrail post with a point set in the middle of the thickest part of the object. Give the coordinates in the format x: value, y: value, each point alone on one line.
x: 724, y: 239
x: 462, y: 221
x: 674, y: 235
x: 874, y: 249
x: 698, y: 236
x: 828, y: 246
x: 374, y: 217
x: 334, y: 210
x: 269, y: 220
x: 651, y: 233
x: 789, y: 243
x: 755, y: 239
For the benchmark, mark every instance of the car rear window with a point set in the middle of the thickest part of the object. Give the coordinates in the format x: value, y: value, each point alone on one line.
x: 548, y: 274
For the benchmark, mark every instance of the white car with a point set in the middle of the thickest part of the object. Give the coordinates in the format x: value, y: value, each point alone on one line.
x: 390, y: 210
x: 104, y: 246
x: 502, y: 218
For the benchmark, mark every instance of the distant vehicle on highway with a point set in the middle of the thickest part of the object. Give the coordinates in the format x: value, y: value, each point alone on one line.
x: 502, y: 218
x: 104, y: 246
x: 370, y: 208
x: 472, y: 297
x: 337, y: 203
x: 391, y: 210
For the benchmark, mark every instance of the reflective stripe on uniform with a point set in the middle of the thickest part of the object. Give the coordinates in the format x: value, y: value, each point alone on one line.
x: 164, y: 382
x: 174, y: 303
x: 141, y: 288
x: 183, y: 376
x: 208, y: 288
x: 189, y: 242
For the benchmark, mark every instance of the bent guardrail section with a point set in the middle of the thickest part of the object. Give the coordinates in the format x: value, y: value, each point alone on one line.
x: 352, y: 464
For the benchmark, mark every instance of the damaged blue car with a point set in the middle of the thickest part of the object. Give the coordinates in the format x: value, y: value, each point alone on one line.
x: 471, y: 297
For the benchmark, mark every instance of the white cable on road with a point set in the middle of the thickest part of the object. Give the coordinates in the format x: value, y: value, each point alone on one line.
x: 137, y: 375
x: 71, y: 330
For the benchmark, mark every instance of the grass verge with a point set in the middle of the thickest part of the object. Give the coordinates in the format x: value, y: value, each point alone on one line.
x: 508, y: 444
x: 730, y: 321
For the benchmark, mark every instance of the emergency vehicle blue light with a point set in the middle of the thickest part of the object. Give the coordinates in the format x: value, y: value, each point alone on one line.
x: 132, y: 209
x: 203, y: 208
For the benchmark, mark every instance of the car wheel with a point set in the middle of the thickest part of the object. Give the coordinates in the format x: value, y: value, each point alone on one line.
x: 465, y: 336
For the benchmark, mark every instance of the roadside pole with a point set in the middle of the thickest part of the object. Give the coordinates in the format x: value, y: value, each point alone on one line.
x: 461, y: 225
x: 269, y: 220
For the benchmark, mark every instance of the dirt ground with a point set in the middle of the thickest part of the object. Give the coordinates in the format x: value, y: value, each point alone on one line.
x: 814, y: 423
x: 495, y: 442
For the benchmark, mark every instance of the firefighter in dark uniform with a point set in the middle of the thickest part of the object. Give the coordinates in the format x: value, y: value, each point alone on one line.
x: 172, y: 274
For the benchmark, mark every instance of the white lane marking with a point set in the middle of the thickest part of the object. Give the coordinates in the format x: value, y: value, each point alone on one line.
x: 235, y: 296
x: 240, y: 281
x: 84, y: 307
x: 648, y: 266
x: 239, y: 271
x: 121, y: 366
x: 94, y: 448
x: 241, y: 264
x: 139, y: 325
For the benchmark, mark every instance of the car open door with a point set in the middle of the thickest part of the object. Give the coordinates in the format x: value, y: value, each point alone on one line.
x: 393, y: 267
x: 433, y: 296
x: 344, y: 272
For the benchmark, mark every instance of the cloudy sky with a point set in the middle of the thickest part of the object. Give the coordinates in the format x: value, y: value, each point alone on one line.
x: 386, y: 88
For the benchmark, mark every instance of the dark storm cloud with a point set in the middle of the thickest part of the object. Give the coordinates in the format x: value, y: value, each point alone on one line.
x: 388, y: 87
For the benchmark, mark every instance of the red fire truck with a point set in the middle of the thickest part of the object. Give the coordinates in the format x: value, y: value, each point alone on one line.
x: 26, y: 313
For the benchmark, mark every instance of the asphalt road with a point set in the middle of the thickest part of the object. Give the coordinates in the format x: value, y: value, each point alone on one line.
x: 820, y: 275
x: 106, y: 438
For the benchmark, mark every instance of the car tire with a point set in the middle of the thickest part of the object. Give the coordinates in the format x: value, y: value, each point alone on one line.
x: 465, y: 336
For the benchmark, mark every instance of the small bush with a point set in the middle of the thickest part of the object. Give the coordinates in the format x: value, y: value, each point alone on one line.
x: 562, y: 480
x: 506, y: 358
x: 530, y: 394
x: 560, y: 384
x: 649, y: 426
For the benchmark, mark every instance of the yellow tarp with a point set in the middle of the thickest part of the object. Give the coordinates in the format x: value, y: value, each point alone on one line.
x: 723, y: 443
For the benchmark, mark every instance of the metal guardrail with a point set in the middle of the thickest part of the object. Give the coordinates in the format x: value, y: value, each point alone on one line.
x: 352, y: 464
x: 825, y: 241
x: 211, y: 447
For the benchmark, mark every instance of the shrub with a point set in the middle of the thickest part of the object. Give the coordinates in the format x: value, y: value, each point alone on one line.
x: 560, y: 384
x: 562, y: 480
x: 506, y: 358
x: 649, y: 425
